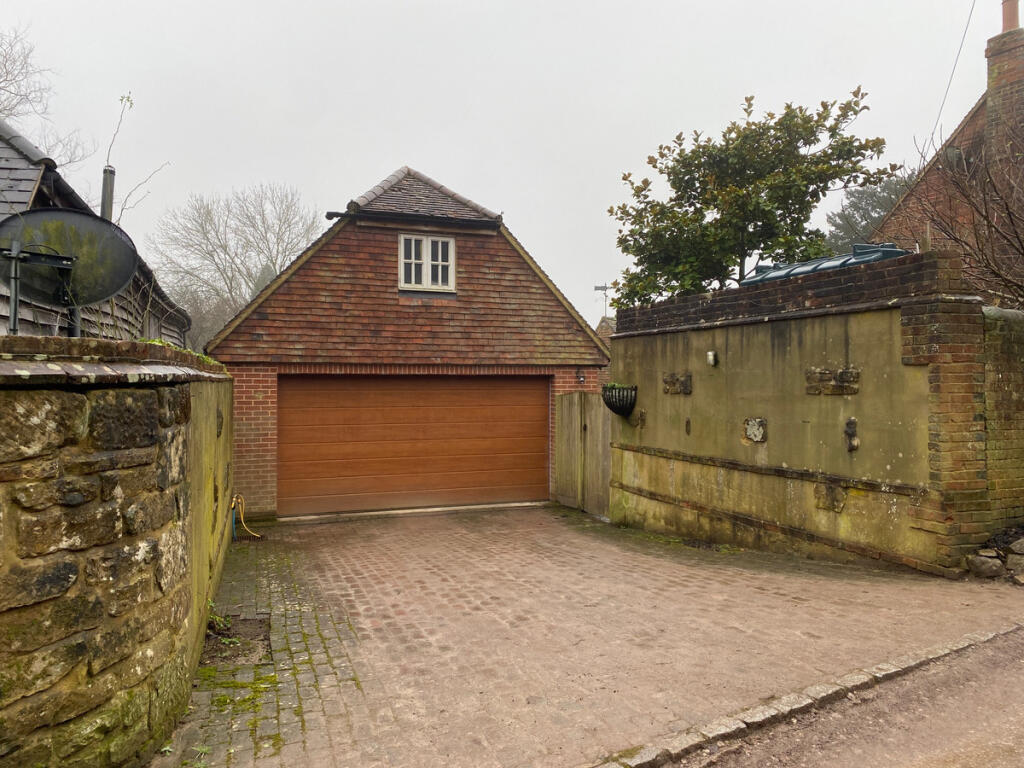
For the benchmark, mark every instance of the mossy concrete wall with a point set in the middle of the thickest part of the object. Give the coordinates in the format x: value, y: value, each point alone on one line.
x: 692, y: 465
x: 866, y: 411
x: 115, y: 483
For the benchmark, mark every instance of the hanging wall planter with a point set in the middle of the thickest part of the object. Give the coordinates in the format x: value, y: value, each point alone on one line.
x: 620, y: 400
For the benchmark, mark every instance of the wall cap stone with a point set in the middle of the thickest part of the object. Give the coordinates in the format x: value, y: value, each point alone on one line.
x: 36, y: 361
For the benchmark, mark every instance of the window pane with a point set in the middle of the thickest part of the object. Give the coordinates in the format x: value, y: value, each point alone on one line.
x: 419, y: 248
x: 433, y: 274
x: 406, y: 248
x: 419, y: 274
x: 444, y: 250
x: 407, y: 274
x: 444, y: 275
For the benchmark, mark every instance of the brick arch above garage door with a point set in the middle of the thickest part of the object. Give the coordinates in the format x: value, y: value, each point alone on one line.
x: 348, y: 443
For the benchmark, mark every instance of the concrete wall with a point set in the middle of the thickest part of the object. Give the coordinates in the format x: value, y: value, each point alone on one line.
x: 756, y: 449
x: 115, y: 483
x: 582, y: 452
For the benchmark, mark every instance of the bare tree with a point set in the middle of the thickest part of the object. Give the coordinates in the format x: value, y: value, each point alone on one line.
x: 25, y: 90
x: 214, y: 253
x: 24, y: 85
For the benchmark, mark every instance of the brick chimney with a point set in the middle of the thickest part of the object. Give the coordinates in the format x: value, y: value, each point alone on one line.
x: 1005, y: 54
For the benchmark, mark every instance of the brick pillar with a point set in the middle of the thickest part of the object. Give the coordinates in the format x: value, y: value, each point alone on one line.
x: 1005, y: 97
x: 255, y: 449
x: 947, y: 333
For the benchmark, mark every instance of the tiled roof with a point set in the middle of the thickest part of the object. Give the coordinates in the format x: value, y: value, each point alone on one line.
x: 410, y: 193
x: 340, y: 303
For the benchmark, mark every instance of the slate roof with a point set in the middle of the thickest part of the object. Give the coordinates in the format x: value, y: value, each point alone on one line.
x: 407, y: 192
x: 24, y: 169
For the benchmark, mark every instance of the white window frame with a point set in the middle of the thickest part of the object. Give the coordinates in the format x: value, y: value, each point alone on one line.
x: 426, y: 247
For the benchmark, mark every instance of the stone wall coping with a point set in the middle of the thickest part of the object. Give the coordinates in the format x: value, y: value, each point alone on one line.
x: 61, y: 373
x: 51, y: 360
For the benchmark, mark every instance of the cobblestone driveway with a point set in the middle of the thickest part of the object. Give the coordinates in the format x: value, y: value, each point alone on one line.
x: 535, y: 637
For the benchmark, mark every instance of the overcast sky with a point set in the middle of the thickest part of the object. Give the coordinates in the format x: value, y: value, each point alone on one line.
x: 530, y: 108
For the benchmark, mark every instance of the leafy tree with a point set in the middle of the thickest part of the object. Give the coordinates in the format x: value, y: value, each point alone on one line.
x: 742, y: 198
x: 214, y: 253
x: 862, y: 210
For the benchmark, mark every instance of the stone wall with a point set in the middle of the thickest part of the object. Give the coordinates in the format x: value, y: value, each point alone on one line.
x: 115, y: 483
x: 866, y: 411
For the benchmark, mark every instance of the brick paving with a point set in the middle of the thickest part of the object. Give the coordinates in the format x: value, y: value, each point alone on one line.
x: 535, y: 637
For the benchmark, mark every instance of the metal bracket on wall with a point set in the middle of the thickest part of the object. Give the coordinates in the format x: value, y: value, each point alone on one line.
x: 852, y: 441
x: 678, y: 385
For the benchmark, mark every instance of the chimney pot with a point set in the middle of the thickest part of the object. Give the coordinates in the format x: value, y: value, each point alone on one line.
x: 1011, y: 15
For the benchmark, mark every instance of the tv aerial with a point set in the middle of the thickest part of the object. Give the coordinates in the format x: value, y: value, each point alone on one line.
x: 62, y: 257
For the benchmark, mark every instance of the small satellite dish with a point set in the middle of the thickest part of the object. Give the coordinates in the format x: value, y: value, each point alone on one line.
x: 66, y: 257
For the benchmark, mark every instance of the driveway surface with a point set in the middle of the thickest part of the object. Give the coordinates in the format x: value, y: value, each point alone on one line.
x: 535, y: 637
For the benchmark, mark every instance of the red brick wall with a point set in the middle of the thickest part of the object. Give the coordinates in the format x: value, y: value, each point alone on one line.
x: 255, y: 449
x: 255, y: 412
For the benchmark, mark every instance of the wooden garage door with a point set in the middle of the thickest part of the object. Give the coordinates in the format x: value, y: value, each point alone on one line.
x: 350, y: 443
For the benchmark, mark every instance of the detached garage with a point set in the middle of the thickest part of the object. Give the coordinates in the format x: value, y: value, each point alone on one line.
x: 408, y: 358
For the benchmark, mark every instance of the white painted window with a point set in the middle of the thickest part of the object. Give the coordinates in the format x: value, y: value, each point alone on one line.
x: 426, y: 263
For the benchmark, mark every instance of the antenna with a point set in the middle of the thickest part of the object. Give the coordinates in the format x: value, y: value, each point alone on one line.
x: 604, y: 289
x: 64, y: 257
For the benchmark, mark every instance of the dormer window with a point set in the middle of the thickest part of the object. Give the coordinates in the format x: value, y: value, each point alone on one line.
x: 426, y: 263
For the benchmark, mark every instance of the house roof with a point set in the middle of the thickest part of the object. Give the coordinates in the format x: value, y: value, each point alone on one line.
x: 407, y: 192
x: 339, y: 300
x: 25, y: 170
x: 956, y: 138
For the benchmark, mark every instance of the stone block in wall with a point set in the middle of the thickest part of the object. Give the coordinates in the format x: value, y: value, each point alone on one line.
x: 71, y: 528
x: 127, y: 483
x: 173, y: 686
x: 172, y: 459
x: 35, y: 753
x: 34, y: 423
x: 123, y: 418
x: 170, y: 613
x: 29, y: 673
x: 40, y: 469
x: 70, y: 491
x: 32, y: 627
x: 103, y: 461
x: 123, y: 575
x: 172, y: 558
x: 175, y: 405
x: 35, y: 581
x: 84, y: 736
x: 149, y: 512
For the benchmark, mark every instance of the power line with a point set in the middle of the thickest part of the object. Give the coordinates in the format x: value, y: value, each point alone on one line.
x: 956, y: 61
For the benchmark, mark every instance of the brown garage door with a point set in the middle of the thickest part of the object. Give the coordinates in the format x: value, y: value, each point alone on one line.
x: 387, y: 442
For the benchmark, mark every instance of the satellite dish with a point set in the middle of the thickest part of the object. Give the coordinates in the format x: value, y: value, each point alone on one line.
x: 66, y: 257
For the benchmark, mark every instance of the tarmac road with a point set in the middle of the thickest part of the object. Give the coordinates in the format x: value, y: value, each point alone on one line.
x: 963, y: 712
